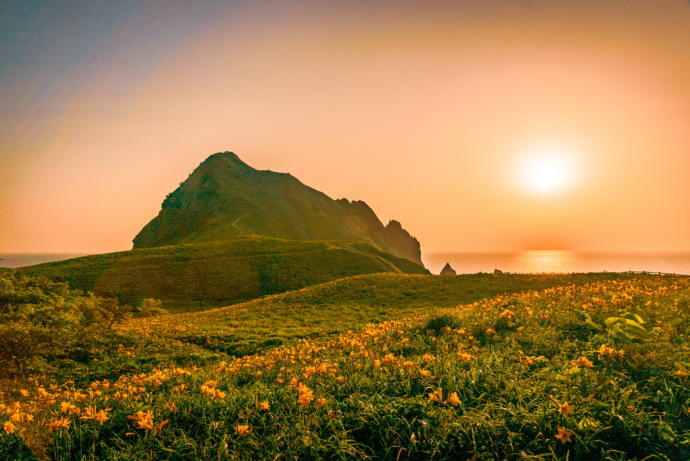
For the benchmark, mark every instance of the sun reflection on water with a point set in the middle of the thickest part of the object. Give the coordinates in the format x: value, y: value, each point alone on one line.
x: 546, y: 261
x: 563, y: 261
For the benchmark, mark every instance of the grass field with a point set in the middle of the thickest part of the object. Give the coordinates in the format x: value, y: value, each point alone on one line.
x: 592, y: 370
x: 336, y: 307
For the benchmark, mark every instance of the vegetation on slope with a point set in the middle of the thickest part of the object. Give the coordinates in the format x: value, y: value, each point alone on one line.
x: 45, y: 327
x: 203, y: 275
x: 595, y: 371
x: 336, y: 307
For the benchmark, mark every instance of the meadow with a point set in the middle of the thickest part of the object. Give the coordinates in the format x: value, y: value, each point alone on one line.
x: 388, y: 366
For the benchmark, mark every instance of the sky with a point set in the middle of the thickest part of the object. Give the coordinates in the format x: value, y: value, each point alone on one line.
x: 484, y: 125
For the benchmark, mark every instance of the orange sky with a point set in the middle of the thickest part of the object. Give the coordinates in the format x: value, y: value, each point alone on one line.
x: 425, y: 110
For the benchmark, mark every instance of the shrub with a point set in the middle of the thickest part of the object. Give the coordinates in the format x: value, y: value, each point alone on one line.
x: 42, y: 321
x: 437, y: 323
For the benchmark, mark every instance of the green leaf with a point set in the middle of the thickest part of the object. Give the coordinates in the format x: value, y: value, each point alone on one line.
x: 611, y: 320
x: 588, y: 423
x: 593, y: 325
x: 676, y: 322
x: 635, y: 318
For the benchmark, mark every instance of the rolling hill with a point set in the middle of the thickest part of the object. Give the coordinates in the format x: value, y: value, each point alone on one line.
x: 201, y: 275
x: 231, y: 233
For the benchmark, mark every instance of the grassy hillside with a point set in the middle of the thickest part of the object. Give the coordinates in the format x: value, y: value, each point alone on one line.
x: 203, y: 275
x: 336, y: 307
x: 595, y: 371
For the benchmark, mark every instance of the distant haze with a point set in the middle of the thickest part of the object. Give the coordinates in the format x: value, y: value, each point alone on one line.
x: 425, y: 110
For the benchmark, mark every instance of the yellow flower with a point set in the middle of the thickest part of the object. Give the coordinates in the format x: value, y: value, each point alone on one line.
x: 584, y: 362
x: 563, y: 434
x: 526, y: 360
x: 436, y: 396
x: 304, y: 399
x: 89, y: 412
x: 66, y: 407
x: 605, y: 351
x: 9, y: 427
x: 464, y: 357
x: 242, y: 430
x: 57, y: 424
x: 303, y: 389
x: 565, y: 409
x: 143, y: 420
x: 453, y: 399
x: 388, y: 358
x: 490, y: 331
x: 102, y: 415
x: 263, y: 405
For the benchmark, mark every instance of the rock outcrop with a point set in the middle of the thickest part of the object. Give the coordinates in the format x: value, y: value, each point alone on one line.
x: 224, y: 197
x: 447, y: 270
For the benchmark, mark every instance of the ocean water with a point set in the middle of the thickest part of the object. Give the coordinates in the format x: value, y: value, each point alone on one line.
x: 473, y: 262
x: 29, y: 259
x: 558, y: 261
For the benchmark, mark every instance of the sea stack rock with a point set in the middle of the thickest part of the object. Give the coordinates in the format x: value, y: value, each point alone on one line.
x: 498, y: 271
x: 447, y: 270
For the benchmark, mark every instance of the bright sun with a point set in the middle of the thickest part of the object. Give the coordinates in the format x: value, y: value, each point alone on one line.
x: 546, y: 170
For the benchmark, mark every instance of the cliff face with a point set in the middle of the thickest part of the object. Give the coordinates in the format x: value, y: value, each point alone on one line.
x: 224, y: 197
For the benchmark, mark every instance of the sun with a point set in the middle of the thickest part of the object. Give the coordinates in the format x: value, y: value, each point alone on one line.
x: 546, y: 170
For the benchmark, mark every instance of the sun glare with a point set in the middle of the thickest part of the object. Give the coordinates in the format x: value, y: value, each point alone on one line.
x: 546, y: 170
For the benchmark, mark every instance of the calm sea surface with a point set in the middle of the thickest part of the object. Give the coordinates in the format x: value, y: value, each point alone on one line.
x: 28, y: 259
x: 558, y: 261
x: 471, y: 263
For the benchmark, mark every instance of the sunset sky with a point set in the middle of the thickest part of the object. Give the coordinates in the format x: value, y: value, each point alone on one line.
x: 480, y: 125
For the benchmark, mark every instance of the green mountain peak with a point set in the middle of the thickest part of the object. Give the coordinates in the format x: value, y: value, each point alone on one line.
x: 224, y: 198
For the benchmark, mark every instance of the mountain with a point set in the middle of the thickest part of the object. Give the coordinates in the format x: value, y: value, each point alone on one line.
x: 225, y: 198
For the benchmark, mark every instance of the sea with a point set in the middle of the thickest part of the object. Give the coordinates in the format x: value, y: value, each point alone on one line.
x: 520, y: 262
x: 29, y: 259
x: 556, y: 261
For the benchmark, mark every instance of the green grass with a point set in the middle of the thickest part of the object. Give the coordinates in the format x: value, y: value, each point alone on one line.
x: 385, y: 390
x: 336, y: 307
x: 205, y: 275
x: 196, y: 338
